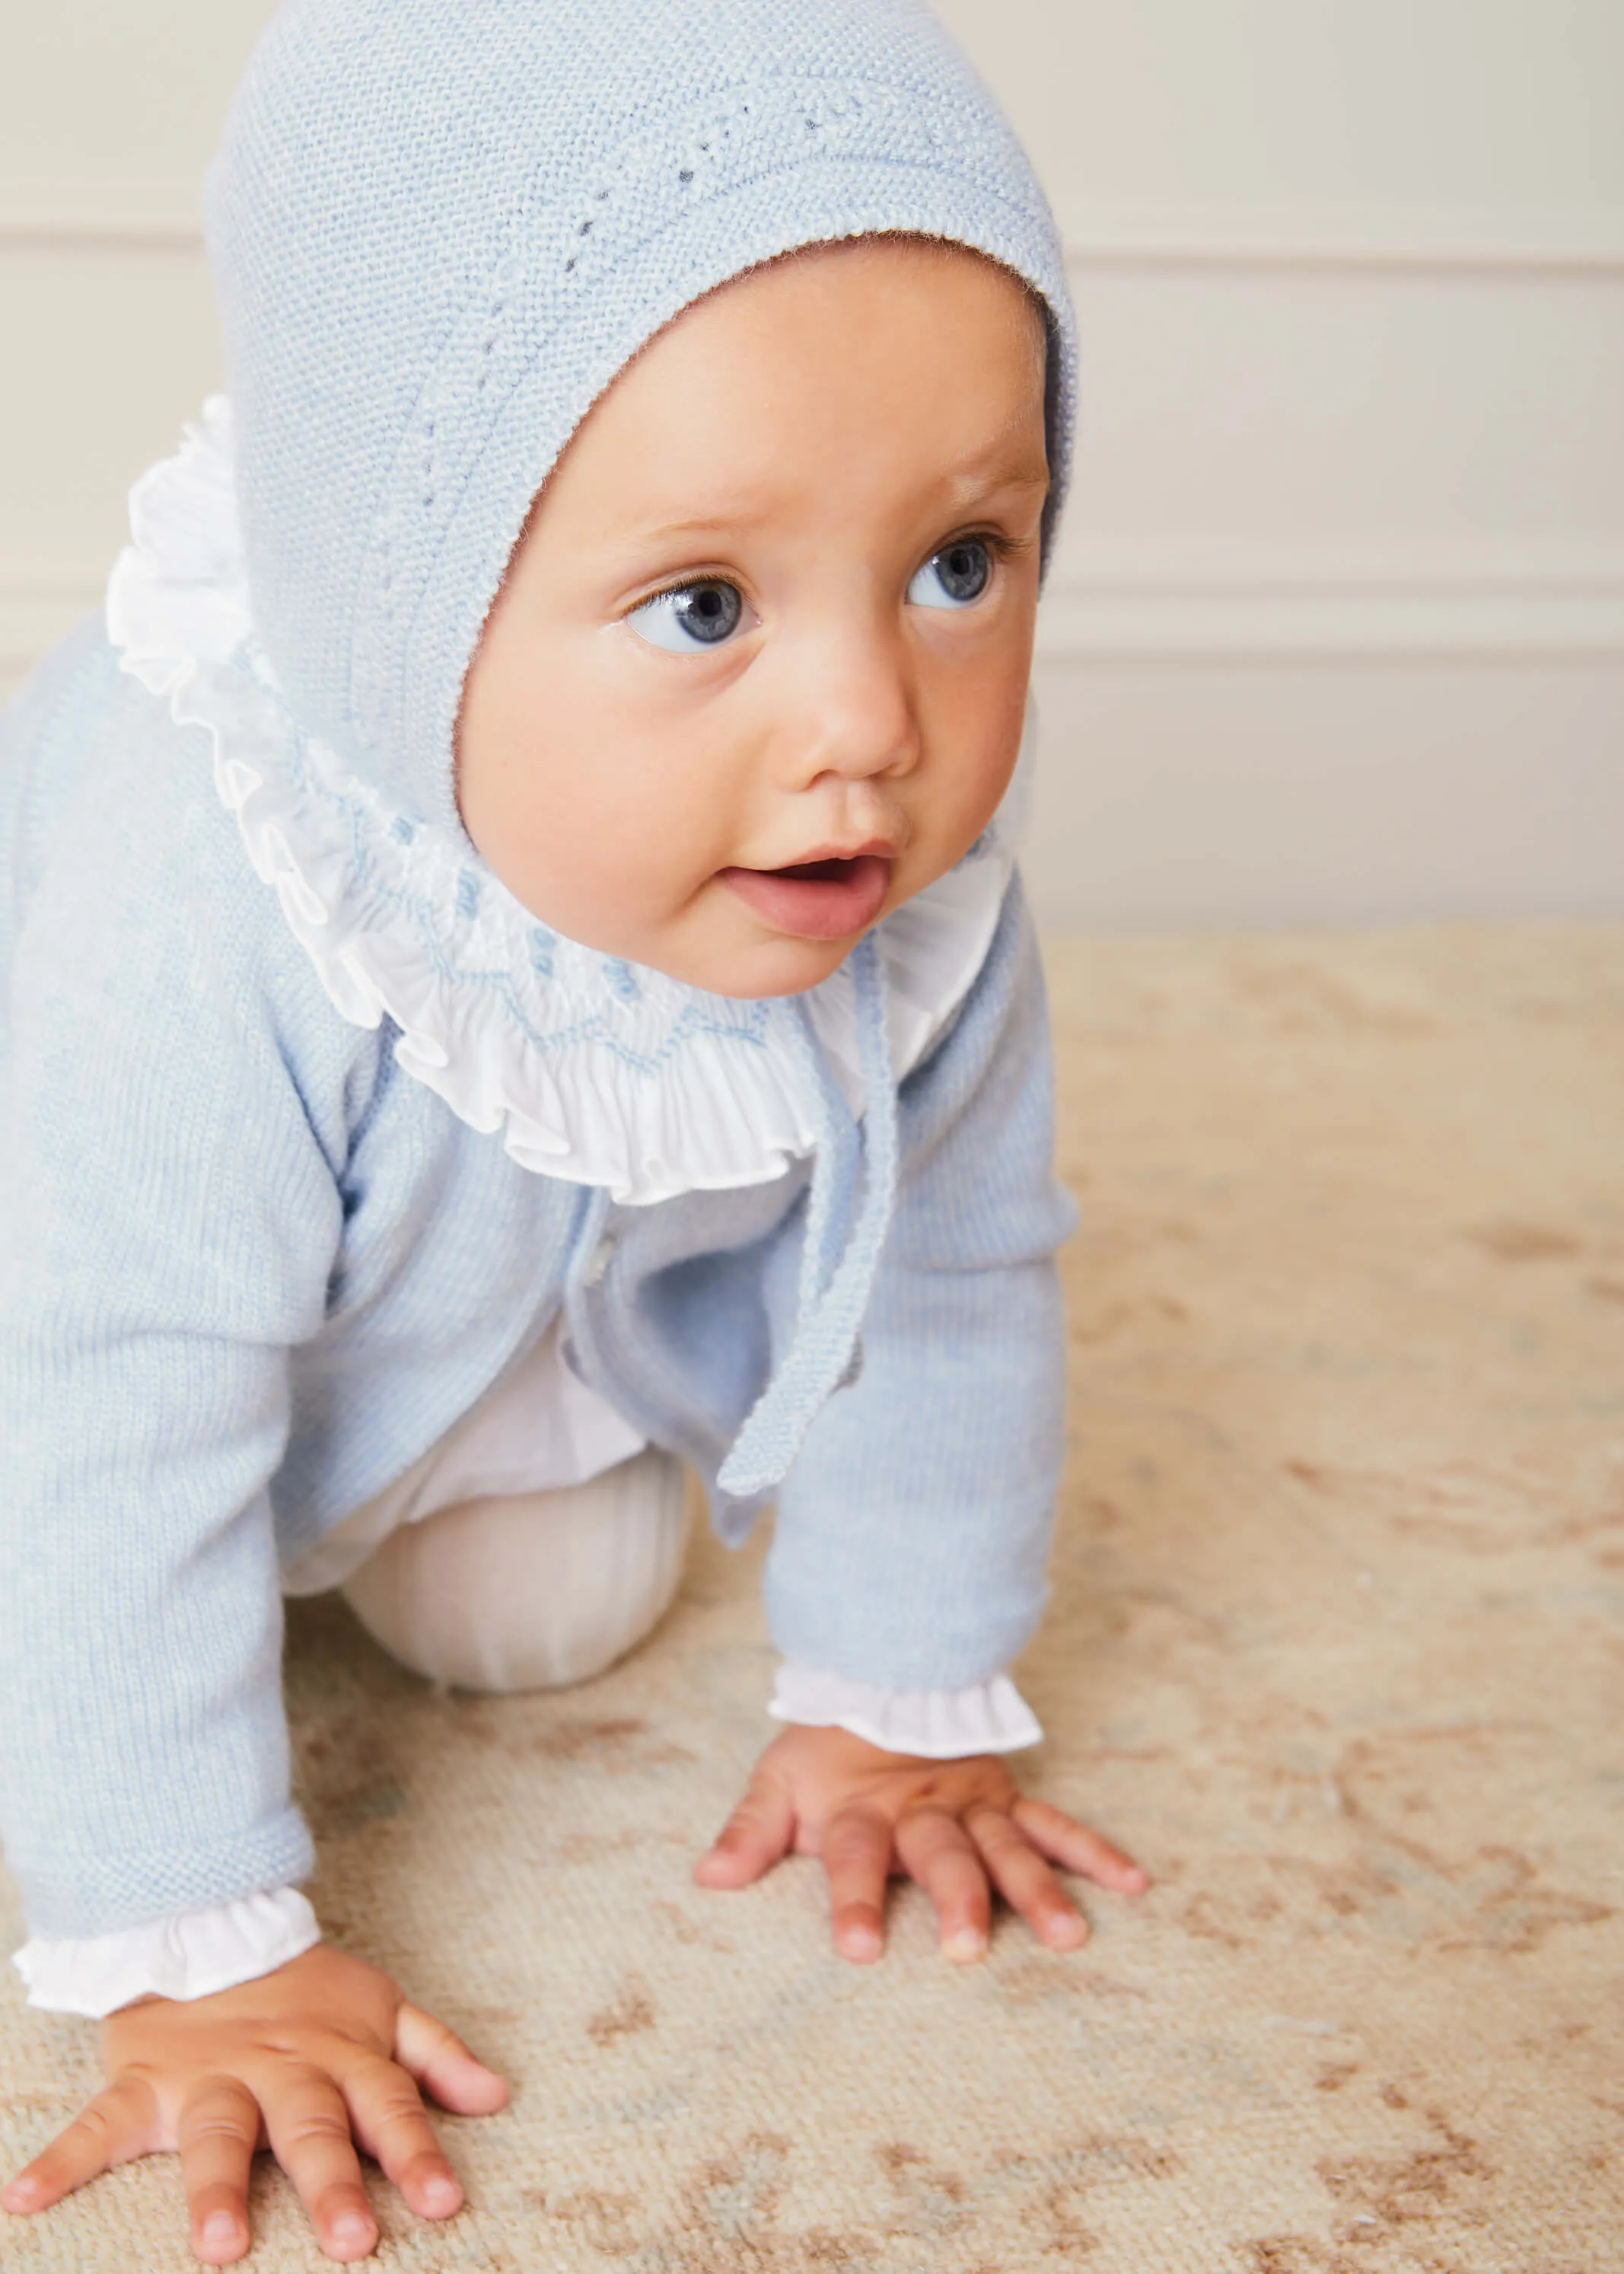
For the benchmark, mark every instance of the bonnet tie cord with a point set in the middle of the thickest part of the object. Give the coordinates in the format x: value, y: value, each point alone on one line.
x: 833, y: 1297
x: 837, y: 1163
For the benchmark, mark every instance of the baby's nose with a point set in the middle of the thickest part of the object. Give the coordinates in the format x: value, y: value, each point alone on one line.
x: 858, y: 722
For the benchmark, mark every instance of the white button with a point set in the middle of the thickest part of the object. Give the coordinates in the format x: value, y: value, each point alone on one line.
x: 600, y: 1260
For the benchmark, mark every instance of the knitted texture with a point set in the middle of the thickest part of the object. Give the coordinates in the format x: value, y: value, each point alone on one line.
x: 439, y: 230
x: 834, y: 1293
x: 249, y: 1270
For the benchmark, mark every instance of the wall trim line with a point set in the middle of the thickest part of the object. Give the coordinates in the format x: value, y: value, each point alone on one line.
x: 1388, y: 241
x: 100, y: 218
x: 1223, y: 621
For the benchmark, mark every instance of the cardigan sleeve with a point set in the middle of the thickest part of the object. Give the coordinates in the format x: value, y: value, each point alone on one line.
x: 169, y: 1216
x: 912, y: 1534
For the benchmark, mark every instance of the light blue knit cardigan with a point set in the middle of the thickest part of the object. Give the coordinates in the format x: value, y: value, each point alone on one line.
x: 251, y: 1267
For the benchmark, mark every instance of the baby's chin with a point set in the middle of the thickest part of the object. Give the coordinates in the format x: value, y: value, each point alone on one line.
x: 715, y: 943
x: 751, y: 970
x: 722, y: 944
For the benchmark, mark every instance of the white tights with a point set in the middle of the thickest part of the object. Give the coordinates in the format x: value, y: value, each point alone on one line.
x: 534, y: 1591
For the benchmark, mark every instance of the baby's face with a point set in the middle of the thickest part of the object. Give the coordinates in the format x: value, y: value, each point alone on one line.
x: 757, y: 672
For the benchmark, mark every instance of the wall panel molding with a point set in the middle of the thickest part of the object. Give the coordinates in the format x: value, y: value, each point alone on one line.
x: 70, y: 217
x: 1248, y: 606
x: 1236, y: 600
x: 68, y: 234
x: 89, y: 216
x: 1389, y: 240
x: 1247, y: 610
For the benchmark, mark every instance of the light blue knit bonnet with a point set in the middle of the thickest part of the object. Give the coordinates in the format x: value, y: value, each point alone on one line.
x: 439, y: 227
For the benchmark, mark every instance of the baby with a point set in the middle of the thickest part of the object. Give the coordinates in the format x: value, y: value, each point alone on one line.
x: 515, y: 983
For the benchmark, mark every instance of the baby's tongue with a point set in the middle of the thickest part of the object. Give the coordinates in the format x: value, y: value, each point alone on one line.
x: 823, y: 899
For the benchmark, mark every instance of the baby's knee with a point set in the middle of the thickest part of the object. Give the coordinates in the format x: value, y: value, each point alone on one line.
x: 534, y: 1591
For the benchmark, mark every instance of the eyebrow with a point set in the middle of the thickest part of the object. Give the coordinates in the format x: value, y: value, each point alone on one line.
x: 963, y: 489
x: 974, y: 486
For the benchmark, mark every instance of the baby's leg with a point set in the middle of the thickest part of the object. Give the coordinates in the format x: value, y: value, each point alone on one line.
x: 535, y: 1590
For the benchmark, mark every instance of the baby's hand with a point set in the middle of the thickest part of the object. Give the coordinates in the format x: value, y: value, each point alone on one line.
x: 320, y: 2056
x: 960, y: 1827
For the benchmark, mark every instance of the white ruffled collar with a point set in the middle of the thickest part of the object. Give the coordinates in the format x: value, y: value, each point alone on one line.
x: 594, y: 1070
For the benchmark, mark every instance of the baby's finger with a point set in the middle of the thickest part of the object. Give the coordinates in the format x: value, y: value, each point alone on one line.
x: 120, y: 2122
x: 216, y: 2133
x: 1025, y: 1880
x: 937, y: 1850
x: 1079, y: 1850
x: 308, y: 2127
x: 390, y: 2122
x: 758, y: 1833
x: 856, y: 1854
x: 437, y: 2058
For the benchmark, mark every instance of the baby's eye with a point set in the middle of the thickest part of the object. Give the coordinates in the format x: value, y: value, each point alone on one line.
x: 694, y: 617
x: 954, y: 577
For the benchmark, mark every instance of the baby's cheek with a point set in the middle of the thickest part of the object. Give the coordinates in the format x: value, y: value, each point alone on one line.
x: 614, y: 874
x: 962, y: 809
x: 988, y: 769
x: 650, y: 856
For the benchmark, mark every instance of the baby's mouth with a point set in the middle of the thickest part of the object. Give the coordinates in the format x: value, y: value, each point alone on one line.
x: 825, y: 899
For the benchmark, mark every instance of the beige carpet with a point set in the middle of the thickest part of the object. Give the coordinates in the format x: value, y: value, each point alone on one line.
x: 1337, y: 1646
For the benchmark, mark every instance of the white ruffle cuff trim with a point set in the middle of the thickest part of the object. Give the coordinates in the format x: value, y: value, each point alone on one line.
x: 937, y: 1725
x: 189, y: 1954
x: 193, y: 1953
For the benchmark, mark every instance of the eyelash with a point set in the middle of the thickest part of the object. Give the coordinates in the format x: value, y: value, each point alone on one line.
x: 687, y: 582
x: 1002, y: 547
x: 999, y: 544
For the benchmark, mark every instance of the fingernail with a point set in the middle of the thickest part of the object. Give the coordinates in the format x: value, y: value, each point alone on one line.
x: 1065, y: 1931
x: 964, y: 1942
x: 218, y: 2228
x: 351, y: 2226
x: 21, y: 2191
x: 440, y: 2189
x: 860, y: 1942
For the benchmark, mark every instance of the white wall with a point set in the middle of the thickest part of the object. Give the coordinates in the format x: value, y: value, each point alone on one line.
x: 1338, y: 625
